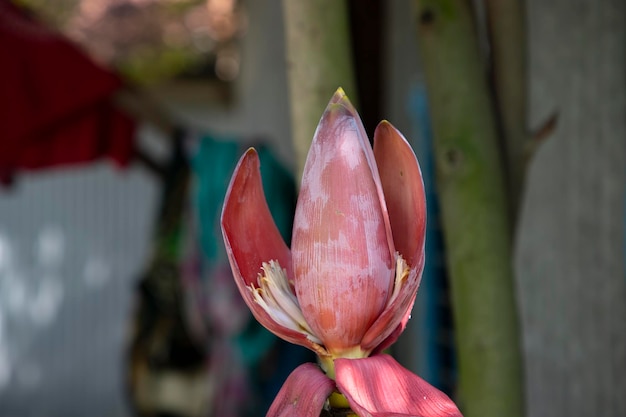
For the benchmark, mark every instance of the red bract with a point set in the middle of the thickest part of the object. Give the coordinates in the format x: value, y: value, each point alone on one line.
x: 347, y: 286
x: 374, y: 387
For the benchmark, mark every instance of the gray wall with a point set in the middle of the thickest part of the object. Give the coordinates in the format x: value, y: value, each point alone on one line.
x: 570, y: 254
x: 260, y: 107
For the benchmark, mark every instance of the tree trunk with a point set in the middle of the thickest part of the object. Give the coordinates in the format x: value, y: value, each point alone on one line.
x: 319, y: 60
x: 506, y: 21
x: 475, y: 210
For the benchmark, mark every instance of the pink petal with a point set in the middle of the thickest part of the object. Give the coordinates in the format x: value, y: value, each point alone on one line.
x: 379, y: 386
x: 404, y: 191
x: 342, y: 252
x: 303, y: 394
x: 392, y: 321
x: 251, y: 238
x: 391, y: 339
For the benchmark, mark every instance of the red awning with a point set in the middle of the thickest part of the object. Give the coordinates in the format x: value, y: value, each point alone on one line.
x: 55, y: 102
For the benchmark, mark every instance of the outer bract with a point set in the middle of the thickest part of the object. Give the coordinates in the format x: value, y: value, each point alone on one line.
x: 347, y: 286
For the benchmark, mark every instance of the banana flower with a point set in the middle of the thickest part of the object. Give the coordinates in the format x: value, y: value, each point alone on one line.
x: 346, y: 287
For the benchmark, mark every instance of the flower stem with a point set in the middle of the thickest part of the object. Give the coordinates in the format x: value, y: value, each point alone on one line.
x: 338, y: 403
x: 327, y: 364
x: 338, y: 413
x: 336, y: 399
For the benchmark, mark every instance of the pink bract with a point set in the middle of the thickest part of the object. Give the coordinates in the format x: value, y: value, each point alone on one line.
x: 347, y: 286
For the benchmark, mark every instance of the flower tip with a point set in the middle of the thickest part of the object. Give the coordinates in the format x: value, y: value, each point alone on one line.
x: 385, y: 127
x: 250, y: 151
x: 339, y: 94
x: 341, y: 98
x: 248, y: 164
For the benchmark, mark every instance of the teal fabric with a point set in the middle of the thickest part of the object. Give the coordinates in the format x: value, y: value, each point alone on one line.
x: 213, y: 164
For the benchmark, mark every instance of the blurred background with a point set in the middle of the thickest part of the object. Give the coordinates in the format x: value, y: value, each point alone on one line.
x: 122, y: 121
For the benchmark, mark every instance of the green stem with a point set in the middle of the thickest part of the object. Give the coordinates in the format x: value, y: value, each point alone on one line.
x: 337, y: 400
x: 475, y: 210
x: 319, y: 60
x: 506, y: 21
x: 327, y: 363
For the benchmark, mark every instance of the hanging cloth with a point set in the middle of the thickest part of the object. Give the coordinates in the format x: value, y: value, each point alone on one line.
x: 56, y: 106
x: 248, y: 363
x: 166, y: 364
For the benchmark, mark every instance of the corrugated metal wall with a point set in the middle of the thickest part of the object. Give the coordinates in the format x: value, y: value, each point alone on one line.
x: 71, y: 245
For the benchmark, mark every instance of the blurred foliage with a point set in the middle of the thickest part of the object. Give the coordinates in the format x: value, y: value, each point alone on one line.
x: 149, y: 41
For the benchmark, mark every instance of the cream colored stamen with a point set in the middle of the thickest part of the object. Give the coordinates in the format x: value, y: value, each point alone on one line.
x: 274, y: 294
x: 402, y: 273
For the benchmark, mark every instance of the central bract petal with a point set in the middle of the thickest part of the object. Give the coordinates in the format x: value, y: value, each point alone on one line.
x: 343, y: 256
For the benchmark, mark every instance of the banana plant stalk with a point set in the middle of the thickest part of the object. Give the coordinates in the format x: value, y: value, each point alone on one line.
x: 319, y: 58
x: 476, y: 215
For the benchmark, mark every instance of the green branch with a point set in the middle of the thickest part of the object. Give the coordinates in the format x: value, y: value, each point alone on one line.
x: 475, y: 210
x: 319, y: 60
x: 506, y: 21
